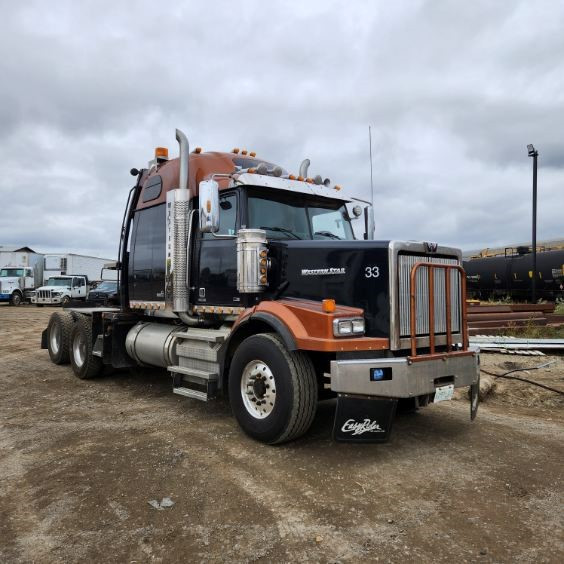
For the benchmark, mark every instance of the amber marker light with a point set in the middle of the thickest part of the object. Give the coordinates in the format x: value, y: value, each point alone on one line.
x: 337, y: 187
x: 252, y: 170
x: 198, y: 150
x: 252, y: 154
x: 301, y: 178
x: 244, y: 152
x: 291, y: 177
x: 328, y: 306
x: 263, y: 253
x: 208, y: 206
x: 236, y: 150
x: 309, y: 180
x: 161, y: 153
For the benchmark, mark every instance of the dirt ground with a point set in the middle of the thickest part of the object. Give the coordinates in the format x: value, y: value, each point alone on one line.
x: 81, y: 460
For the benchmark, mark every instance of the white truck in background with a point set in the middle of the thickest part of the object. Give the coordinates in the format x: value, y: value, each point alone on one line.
x: 18, y: 282
x: 69, y: 264
x: 61, y: 290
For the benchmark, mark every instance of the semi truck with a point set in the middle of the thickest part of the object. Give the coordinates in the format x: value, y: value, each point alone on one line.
x: 244, y: 280
x: 18, y: 280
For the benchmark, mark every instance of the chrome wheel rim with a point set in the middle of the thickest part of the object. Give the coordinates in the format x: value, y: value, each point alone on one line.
x: 79, y: 349
x: 55, y: 337
x: 258, y: 389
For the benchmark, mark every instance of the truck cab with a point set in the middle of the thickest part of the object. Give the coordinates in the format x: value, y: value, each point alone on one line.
x: 60, y: 290
x: 237, y: 276
x: 15, y: 283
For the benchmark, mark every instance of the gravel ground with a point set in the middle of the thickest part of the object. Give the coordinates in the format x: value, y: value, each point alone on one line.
x: 80, y: 462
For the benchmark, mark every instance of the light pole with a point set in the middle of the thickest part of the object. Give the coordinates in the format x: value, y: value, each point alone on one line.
x: 534, y: 153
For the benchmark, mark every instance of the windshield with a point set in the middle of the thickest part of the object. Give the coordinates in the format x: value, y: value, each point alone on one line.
x: 292, y: 216
x: 59, y: 282
x: 12, y: 272
x: 107, y: 287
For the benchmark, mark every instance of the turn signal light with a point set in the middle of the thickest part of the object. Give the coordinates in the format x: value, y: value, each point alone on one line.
x: 263, y: 254
x: 263, y: 262
x: 263, y: 279
x: 161, y: 153
x: 328, y: 306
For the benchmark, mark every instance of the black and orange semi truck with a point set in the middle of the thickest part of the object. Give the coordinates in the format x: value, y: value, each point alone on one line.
x: 243, y: 280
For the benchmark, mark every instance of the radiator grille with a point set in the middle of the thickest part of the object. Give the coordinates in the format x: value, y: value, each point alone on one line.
x: 405, y: 264
x: 44, y: 294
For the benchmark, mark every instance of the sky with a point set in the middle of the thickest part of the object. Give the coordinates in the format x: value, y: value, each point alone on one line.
x: 453, y: 92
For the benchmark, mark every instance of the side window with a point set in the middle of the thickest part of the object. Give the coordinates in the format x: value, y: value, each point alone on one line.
x: 227, y: 216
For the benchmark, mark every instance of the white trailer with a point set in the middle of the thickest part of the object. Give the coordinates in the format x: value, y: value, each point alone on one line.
x: 70, y: 263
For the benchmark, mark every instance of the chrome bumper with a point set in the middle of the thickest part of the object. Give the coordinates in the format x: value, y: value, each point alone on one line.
x: 408, y: 379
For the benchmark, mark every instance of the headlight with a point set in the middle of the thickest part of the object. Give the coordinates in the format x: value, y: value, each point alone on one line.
x: 350, y: 326
x: 57, y: 294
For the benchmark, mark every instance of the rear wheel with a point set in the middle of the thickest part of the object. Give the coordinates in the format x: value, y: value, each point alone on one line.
x: 16, y: 299
x: 59, y: 333
x: 273, y: 391
x: 84, y: 364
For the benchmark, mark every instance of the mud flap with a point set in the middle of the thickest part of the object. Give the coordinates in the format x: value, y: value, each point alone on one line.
x: 474, y: 399
x: 45, y: 338
x: 363, y: 419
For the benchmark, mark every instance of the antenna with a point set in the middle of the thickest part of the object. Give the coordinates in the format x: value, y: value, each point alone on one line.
x: 371, y: 179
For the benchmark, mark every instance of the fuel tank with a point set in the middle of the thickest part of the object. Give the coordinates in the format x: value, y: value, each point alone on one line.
x: 353, y: 273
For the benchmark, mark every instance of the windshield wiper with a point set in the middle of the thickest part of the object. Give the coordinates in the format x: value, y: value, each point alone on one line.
x: 328, y: 234
x: 281, y: 230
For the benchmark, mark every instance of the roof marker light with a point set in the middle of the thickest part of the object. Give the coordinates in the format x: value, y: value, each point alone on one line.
x: 236, y: 150
x: 291, y: 177
x: 252, y: 154
x: 161, y: 153
x: 244, y: 152
x: 198, y: 150
x: 328, y: 306
x: 337, y: 187
x: 309, y: 180
x: 301, y: 178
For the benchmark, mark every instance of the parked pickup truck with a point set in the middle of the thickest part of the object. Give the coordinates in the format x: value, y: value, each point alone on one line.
x: 60, y: 290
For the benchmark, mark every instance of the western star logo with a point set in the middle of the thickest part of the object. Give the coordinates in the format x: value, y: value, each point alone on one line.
x: 322, y: 271
x: 360, y: 427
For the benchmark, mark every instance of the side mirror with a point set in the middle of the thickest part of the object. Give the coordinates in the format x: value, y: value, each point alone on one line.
x: 369, y: 223
x: 209, y: 206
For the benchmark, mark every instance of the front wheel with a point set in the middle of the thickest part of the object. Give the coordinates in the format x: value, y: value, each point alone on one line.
x: 16, y: 299
x: 272, y: 391
x: 84, y: 364
x: 65, y: 301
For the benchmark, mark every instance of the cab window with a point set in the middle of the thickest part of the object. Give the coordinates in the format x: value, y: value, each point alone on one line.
x: 227, y: 216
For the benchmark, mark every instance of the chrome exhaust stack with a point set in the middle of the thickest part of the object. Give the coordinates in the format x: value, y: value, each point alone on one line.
x: 178, y: 221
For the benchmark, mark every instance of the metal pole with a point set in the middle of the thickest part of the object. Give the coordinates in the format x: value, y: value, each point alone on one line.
x: 534, y: 284
x: 371, y: 180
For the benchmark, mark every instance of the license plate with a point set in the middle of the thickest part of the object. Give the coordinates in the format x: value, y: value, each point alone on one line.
x: 444, y: 393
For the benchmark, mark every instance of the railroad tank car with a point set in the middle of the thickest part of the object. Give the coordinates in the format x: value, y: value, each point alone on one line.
x: 509, y: 275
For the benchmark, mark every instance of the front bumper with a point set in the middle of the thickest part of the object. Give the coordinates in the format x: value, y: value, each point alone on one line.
x: 5, y: 297
x: 407, y: 378
x: 46, y: 301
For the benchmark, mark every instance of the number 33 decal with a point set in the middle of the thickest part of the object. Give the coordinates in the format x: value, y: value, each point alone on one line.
x: 372, y: 272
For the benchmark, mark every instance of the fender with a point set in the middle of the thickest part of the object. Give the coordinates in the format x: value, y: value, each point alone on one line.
x: 303, y: 325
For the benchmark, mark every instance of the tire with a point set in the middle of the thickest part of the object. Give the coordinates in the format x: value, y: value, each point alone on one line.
x: 16, y: 299
x: 59, y: 334
x: 285, y: 411
x: 84, y: 364
x: 65, y: 301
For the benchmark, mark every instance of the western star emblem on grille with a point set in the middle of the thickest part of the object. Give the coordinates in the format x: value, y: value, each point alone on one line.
x: 431, y: 247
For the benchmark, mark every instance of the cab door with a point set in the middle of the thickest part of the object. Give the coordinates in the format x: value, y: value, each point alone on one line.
x: 215, y: 282
x: 78, y: 287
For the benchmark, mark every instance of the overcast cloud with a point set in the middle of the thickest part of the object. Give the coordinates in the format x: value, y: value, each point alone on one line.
x: 454, y: 91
